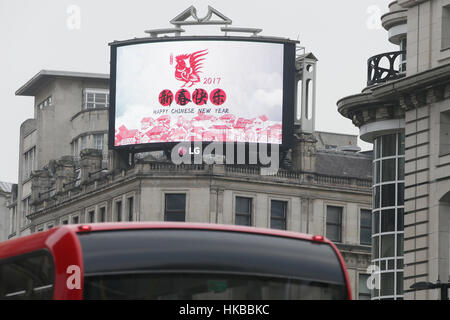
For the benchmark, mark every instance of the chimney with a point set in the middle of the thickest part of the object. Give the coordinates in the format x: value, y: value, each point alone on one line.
x: 90, y: 163
x: 304, y: 152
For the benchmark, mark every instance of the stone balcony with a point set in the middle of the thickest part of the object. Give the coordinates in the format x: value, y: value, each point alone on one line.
x: 385, y: 67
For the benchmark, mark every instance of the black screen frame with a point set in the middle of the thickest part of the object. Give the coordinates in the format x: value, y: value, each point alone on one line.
x: 289, y: 84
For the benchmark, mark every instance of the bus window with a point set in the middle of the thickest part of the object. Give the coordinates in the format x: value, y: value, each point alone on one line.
x: 200, y: 264
x: 28, y: 277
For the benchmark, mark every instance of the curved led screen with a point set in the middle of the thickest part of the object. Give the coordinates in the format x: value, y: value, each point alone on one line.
x: 201, y: 90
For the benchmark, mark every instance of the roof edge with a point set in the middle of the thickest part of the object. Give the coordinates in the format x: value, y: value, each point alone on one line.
x: 30, y: 87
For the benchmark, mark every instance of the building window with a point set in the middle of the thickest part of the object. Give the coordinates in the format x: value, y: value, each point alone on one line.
x: 98, y: 141
x: 446, y: 27
x: 91, y: 216
x: 278, y: 211
x: 83, y: 142
x: 363, y: 291
x: 47, y: 102
x: 387, y: 214
x: 75, y: 150
x: 65, y: 221
x: 29, y: 162
x: 96, y: 99
x: 13, y: 219
x: 119, y: 211
x: 75, y: 219
x: 243, y: 211
x: 130, y: 208
x: 444, y: 133
x: 334, y: 223
x: 103, y: 214
x: 365, y: 235
x: 175, y: 207
x: 25, y: 210
x: 49, y: 226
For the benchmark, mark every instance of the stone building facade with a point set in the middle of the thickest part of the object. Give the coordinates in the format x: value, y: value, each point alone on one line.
x: 67, y: 176
x: 5, y: 199
x: 405, y: 111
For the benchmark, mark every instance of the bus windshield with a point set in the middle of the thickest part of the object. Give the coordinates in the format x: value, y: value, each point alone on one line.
x: 207, y: 264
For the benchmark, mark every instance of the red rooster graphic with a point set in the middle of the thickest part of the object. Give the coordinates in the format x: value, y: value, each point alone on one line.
x: 188, y: 67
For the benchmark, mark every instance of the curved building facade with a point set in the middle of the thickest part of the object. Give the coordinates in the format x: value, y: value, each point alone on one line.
x: 403, y: 111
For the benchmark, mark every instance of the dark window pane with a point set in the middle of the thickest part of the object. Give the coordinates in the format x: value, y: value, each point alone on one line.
x: 278, y: 209
x: 387, y: 284
x: 375, y: 247
x: 377, y: 172
x: 364, y: 292
x: 401, y: 143
x: 75, y: 220
x: 376, y: 222
x: 400, y: 245
x: 376, y: 197
x: 389, y: 145
x: 119, y: 211
x: 243, y: 205
x: 91, y: 217
x: 401, y: 168
x: 334, y: 215
x: 390, y: 265
x: 334, y: 233
x: 175, y: 202
x: 388, y: 169
x: 399, y: 282
x: 388, y: 220
x: 366, y: 227
x: 365, y: 236
x: 366, y: 218
x: 175, y: 217
x: 400, y: 219
x: 278, y: 215
x: 102, y: 214
x: 400, y: 194
x: 278, y: 224
x: 175, y: 209
x: 388, y: 195
x: 378, y: 148
x: 243, y: 220
x: 387, y: 246
x: 27, y: 278
x: 334, y: 223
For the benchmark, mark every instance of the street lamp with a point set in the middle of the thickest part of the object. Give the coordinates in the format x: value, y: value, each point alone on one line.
x: 423, y: 285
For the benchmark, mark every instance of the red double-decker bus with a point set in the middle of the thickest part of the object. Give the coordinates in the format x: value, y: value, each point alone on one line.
x: 171, y: 261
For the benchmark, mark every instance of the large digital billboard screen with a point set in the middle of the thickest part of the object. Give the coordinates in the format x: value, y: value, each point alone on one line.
x: 201, y: 90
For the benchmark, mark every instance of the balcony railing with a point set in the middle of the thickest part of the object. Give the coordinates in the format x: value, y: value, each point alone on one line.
x: 386, y: 67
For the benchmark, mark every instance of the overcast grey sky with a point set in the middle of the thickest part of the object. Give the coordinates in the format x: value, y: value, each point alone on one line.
x: 35, y: 35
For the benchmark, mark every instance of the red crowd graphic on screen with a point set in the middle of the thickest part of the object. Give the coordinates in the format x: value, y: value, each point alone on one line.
x: 203, y: 127
x: 189, y: 66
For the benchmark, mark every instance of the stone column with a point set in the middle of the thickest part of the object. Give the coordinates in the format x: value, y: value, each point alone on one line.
x: 304, y: 152
x: 65, y: 172
x: 90, y: 163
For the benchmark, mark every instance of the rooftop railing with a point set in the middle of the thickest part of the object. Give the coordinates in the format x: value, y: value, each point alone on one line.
x: 386, y: 67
